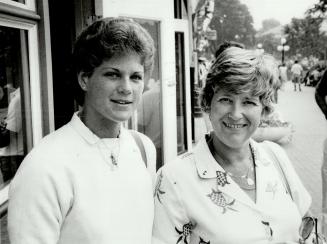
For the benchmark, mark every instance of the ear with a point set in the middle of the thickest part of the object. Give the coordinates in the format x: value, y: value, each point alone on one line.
x: 83, y: 80
x: 264, y: 114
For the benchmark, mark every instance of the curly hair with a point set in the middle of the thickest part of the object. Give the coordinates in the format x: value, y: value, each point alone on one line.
x: 107, y: 38
x: 237, y: 70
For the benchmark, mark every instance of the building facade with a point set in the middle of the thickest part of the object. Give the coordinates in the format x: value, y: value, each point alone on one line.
x: 35, y: 86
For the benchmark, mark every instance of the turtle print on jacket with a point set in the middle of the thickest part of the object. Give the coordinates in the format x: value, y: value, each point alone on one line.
x: 158, y: 191
x: 185, y: 232
x: 218, y: 198
x: 203, y: 242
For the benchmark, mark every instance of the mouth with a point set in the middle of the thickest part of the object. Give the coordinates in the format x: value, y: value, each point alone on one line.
x: 234, y: 126
x: 121, y: 102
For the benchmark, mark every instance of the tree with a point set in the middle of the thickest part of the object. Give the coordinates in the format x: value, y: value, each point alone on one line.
x: 320, y: 8
x: 304, y: 37
x: 232, y: 21
x: 269, y: 43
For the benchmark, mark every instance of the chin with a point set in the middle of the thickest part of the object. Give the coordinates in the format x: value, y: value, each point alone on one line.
x: 235, y: 142
x: 122, y: 117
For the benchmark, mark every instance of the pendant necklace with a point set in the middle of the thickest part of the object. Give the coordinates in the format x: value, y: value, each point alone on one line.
x: 241, y: 179
x: 244, y: 181
x: 111, y: 145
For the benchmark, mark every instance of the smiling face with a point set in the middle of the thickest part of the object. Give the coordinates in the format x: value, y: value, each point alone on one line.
x: 235, y: 118
x: 113, y: 90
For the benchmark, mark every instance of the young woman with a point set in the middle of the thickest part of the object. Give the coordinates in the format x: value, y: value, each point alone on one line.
x: 86, y: 182
x: 229, y: 190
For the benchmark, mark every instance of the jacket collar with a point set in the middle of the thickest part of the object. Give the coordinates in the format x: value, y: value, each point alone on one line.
x: 86, y: 133
x: 208, y: 168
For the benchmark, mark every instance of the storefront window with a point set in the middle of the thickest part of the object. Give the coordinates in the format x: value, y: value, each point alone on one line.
x: 12, y: 116
x: 180, y: 94
x: 149, y: 112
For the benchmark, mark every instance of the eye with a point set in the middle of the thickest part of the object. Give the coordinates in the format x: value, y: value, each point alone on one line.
x: 137, y: 77
x: 249, y: 102
x: 225, y: 100
x: 112, y: 75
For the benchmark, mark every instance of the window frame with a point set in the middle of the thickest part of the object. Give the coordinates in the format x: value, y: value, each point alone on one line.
x: 28, y: 5
x: 34, y: 115
x: 182, y: 26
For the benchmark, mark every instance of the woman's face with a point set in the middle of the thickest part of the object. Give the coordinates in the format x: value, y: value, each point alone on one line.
x: 113, y: 91
x: 235, y: 118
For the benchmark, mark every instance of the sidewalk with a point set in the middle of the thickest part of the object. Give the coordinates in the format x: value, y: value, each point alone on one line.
x: 305, y: 151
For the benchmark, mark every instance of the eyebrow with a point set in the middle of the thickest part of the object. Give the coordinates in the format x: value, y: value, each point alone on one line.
x: 117, y: 70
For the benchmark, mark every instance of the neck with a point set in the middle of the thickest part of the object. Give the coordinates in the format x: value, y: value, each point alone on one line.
x: 102, y: 128
x: 230, y: 156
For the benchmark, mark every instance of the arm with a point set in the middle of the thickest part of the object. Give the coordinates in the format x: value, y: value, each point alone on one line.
x: 300, y: 195
x: 151, y: 156
x: 321, y: 94
x: 170, y: 216
x: 36, y: 208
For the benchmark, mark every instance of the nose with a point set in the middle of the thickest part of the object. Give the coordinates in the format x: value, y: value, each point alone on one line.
x: 125, y: 86
x: 236, y: 112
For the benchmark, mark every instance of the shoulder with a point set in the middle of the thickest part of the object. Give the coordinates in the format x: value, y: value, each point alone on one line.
x: 147, y: 142
x: 149, y: 148
x: 276, y: 148
x: 180, y: 167
x: 272, y: 151
x: 52, y: 149
x: 63, y: 138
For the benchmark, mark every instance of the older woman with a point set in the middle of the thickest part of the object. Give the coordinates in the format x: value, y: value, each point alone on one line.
x: 86, y: 182
x: 229, y: 190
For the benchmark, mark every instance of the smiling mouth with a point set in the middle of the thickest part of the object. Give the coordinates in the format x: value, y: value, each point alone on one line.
x: 122, y: 102
x: 234, y: 126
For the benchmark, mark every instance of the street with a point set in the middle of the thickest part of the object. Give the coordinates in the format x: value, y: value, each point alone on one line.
x: 305, y: 150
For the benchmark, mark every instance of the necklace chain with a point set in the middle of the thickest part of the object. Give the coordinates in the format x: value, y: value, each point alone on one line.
x: 244, y: 181
x: 114, y: 157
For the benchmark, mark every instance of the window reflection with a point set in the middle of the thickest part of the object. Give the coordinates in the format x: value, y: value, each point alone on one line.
x: 180, y: 93
x: 149, y: 111
x: 11, y: 116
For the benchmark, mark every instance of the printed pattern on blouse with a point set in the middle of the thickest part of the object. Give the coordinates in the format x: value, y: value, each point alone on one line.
x: 272, y: 187
x: 268, y: 229
x: 222, y: 178
x: 218, y: 198
x: 185, y: 232
x: 158, y: 192
x: 203, y: 242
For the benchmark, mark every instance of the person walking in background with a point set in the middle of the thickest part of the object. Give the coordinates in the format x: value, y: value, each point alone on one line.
x: 229, y: 189
x: 86, y: 182
x: 296, y: 72
x: 321, y: 99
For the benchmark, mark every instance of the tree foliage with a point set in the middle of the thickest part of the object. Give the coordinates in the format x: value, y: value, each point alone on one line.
x: 269, y: 43
x: 304, y: 37
x: 319, y: 8
x: 232, y: 21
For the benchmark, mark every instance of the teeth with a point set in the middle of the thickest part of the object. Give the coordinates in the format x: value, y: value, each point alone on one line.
x: 122, y: 102
x: 234, y: 126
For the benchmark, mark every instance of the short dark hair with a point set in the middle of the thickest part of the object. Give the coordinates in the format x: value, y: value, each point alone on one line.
x: 107, y: 38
